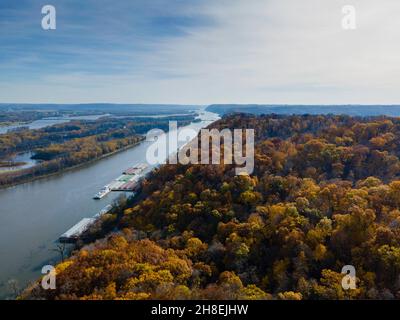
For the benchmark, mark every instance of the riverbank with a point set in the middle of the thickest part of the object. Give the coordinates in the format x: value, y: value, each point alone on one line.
x: 34, y: 215
x: 64, y: 170
x: 8, y: 164
x: 11, y: 123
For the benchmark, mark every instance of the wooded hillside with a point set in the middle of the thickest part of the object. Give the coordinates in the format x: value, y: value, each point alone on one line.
x: 325, y: 193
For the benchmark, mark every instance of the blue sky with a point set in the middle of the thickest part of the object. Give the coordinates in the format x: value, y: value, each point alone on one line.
x: 199, y: 52
x: 93, y: 37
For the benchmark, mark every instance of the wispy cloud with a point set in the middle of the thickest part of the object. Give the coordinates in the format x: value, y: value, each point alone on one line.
x: 175, y: 51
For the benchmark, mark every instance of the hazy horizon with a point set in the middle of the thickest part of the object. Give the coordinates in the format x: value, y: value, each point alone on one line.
x: 197, y: 105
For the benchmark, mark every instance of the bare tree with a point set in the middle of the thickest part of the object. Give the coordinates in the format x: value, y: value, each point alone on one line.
x: 14, y: 287
x: 60, y: 248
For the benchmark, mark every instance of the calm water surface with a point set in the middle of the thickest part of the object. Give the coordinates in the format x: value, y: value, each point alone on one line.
x: 35, y: 214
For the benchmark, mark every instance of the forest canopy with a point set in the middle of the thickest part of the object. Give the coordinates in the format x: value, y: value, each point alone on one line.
x: 325, y: 193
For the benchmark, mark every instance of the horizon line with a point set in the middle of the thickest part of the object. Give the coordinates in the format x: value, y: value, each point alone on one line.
x: 199, y: 105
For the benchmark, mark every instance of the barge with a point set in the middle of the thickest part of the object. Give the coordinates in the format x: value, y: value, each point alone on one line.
x: 73, y: 234
x: 102, y: 193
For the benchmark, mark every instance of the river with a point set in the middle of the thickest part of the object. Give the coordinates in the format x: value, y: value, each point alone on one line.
x: 35, y: 214
x: 25, y: 157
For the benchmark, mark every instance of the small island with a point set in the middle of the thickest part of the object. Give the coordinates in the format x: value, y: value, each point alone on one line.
x: 64, y: 146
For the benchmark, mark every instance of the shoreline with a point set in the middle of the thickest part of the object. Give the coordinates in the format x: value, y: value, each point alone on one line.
x: 17, y: 123
x: 27, y: 275
x: 78, y: 166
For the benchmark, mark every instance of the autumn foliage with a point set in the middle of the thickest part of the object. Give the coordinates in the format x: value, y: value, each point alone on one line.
x: 325, y: 193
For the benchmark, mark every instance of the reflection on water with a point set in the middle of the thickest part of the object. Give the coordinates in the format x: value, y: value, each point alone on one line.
x: 35, y: 214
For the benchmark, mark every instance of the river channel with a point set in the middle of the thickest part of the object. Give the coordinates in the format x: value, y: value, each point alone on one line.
x: 35, y: 214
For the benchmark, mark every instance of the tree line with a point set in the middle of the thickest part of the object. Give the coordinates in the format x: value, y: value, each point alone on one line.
x: 66, y: 145
x: 325, y: 193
